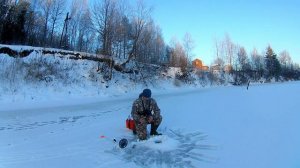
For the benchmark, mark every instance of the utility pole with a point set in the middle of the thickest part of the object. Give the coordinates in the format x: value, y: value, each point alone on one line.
x: 64, y: 35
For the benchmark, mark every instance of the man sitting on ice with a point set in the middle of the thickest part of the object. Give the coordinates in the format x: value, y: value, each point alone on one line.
x: 145, y: 111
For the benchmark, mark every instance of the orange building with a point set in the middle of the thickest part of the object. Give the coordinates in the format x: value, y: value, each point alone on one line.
x: 197, y: 63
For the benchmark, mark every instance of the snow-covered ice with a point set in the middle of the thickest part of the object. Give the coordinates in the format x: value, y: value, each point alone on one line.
x: 221, y: 127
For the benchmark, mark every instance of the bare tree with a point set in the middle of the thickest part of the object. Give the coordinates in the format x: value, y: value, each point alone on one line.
x: 143, y: 50
x: 126, y: 27
x: 257, y: 61
x: 122, y: 30
x: 178, y: 57
x: 86, y: 32
x: 151, y: 46
x: 82, y: 34
x: 242, y: 58
x: 159, y: 46
x: 76, y: 10
x: 229, y: 50
x: 33, y: 25
x: 141, y: 17
x: 104, y: 13
x: 56, y: 15
x: 219, y: 62
x: 285, y: 59
x: 219, y: 53
x: 46, y: 7
x: 225, y: 49
x: 189, y: 45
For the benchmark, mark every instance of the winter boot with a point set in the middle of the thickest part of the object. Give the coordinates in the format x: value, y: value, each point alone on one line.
x: 134, y: 131
x: 153, y: 130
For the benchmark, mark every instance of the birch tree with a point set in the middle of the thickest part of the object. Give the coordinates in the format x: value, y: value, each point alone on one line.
x: 58, y: 7
x: 104, y: 13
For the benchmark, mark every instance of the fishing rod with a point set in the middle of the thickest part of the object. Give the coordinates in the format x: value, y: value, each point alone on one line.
x: 122, y: 142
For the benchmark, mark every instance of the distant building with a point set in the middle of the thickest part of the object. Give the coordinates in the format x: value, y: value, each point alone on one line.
x: 197, y: 64
x: 227, y: 68
x: 216, y: 68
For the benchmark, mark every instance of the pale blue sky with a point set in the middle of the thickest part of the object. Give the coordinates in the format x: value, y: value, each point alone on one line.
x: 249, y: 23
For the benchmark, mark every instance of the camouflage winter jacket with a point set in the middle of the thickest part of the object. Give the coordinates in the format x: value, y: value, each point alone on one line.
x: 143, y: 108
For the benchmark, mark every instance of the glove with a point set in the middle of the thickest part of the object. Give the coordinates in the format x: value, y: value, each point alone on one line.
x: 142, y: 120
x: 150, y: 119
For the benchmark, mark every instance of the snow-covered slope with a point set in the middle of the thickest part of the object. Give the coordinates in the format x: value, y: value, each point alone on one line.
x: 229, y: 127
x: 52, y: 74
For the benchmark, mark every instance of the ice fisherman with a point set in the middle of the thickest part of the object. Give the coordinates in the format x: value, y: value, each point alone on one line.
x: 145, y: 111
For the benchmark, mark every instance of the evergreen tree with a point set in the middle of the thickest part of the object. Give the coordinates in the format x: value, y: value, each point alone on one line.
x: 272, y: 65
x: 14, y: 23
x: 3, y: 13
